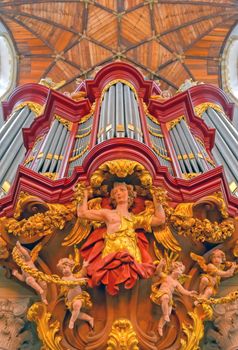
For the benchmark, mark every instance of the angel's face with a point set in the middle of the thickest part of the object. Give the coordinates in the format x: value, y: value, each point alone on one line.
x: 66, y: 270
x: 120, y: 194
x: 217, y: 259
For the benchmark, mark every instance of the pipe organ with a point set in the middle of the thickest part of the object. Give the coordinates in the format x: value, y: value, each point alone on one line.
x: 117, y: 111
x: 118, y: 128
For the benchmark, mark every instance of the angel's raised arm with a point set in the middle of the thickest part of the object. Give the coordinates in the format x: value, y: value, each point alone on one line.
x: 90, y: 214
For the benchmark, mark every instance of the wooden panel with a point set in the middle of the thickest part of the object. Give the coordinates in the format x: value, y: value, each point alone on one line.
x: 150, y: 54
x: 102, y: 26
x: 135, y: 26
x: 88, y: 54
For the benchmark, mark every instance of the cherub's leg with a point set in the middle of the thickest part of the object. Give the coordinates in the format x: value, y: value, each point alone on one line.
x: 43, y: 285
x: 165, y: 307
x: 161, y: 325
x: 208, y: 292
x: 86, y: 317
x: 18, y: 275
x: 75, y: 313
x: 32, y: 283
x: 203, y: 284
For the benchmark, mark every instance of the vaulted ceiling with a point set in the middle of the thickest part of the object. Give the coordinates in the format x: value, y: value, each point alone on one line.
x: 168, y: 40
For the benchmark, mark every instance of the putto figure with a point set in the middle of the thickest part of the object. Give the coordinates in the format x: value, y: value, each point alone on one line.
x: 120, y: 254
x: 214, y: 271
x: 162, y: 291
x: 75, y: 298
x: 39, y: 286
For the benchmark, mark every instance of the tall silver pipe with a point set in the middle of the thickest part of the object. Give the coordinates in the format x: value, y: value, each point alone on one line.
x: 136, y: 117
x: 13, y: 130
x: 57, y: 153
x: 230, y: 139
x: 51, y: 149
x: 178, y: 151
x: 63, y: 151
x: 110, y: 113
x: 120, y: 119
x: 12, y: 151
x: 4, y: 128
x: 45, y: 146
x: 103, y: 119
x: 128, y: 113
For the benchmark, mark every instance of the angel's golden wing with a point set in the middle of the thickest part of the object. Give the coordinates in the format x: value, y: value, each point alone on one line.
x: 35, y: 251
x: 82, y: 227
x: 165, y: 237
x: 200, y: 260
x: 79, y: 232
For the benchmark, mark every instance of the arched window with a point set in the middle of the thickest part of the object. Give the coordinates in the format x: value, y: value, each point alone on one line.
x: 8, y: 63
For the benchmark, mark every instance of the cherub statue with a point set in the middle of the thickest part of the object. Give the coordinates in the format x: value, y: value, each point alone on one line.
x: 75, y: 298
x: 162, y: 291
x: 214, y: 270
x: 39, y: 285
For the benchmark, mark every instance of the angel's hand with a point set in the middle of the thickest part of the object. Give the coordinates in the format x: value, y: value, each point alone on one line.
x: 193, y: 293
x: 14, y: 272
x: 85, y: 263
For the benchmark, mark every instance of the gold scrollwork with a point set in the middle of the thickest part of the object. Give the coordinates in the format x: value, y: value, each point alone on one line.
x: 193, y: 332
x: 174, y: 122
x: 200, y: 109
x: 47, y: 331
x: 150, y: 116
x: 202, y: 230
x: 33, y: 106
x: 122, y: 336
x: 121, y: 168
x: 65, y: 122
x: 43, y: 222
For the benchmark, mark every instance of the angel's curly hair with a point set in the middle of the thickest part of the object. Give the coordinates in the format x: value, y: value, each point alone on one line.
x: 131, y: 194
x: 218, y: 252
x: 65, y: 262
x: 177, y: 264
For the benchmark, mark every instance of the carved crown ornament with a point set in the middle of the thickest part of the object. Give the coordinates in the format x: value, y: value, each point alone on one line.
x: 57, y: 249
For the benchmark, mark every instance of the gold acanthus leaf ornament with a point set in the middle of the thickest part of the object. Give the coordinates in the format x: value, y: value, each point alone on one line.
x: 193, y: 332
x: 121, y: 168
x: 41, y: 224
x: 47, y: 331
x: 122, y: 336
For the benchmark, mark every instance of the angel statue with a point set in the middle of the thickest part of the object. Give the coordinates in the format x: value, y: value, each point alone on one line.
x: 75, y: 298
x: 118, y: 253
x: 163, y: 289
x: 214, y: 271
x: 28, y: 259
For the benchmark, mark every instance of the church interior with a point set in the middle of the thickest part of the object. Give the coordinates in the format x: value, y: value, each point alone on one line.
x: 118, y: 175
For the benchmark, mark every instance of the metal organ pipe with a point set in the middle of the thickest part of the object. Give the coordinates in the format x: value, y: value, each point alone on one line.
x: 119, y: 114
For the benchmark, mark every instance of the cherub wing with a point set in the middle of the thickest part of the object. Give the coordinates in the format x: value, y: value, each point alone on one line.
x: 200, y: 260
x: 35, y: 251
x: 82, y: 228
x: 79, y: 232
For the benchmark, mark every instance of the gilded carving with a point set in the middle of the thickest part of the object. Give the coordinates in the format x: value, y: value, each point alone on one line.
x: 64, y: 121
x: 201, y: 108
x: 120, y: 168
x: 122, y: 336
x: 33, y: 106
x: 47, y: 330
x: 193, y: 332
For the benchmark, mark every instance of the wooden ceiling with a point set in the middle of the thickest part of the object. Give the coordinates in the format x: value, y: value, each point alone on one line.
x: 168, y: 40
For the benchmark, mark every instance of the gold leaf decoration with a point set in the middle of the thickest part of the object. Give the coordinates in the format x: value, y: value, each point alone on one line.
x: 41, y: 224
x: 201, y: 108
x: 47, y: 331
x: 122, y: 336
x: 193, y: 332
x: 121, y: 168
x: 166, y: 238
